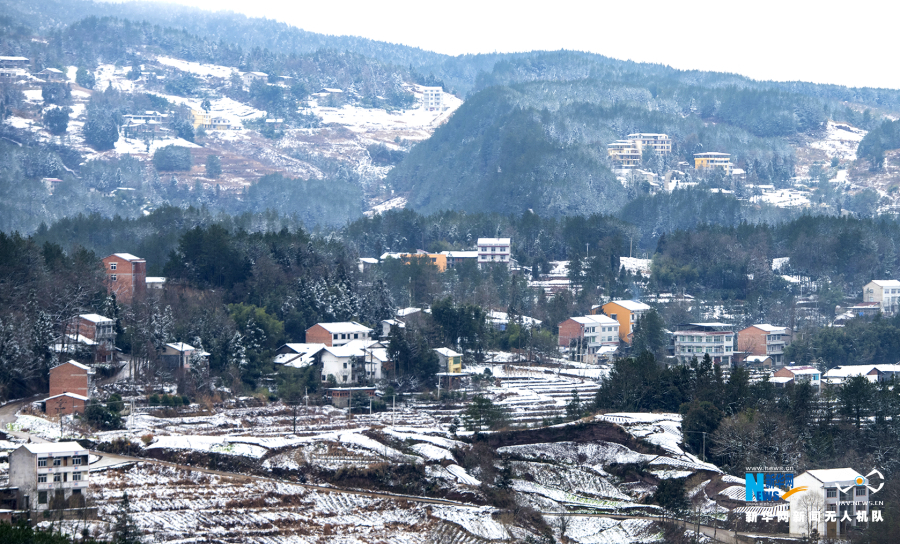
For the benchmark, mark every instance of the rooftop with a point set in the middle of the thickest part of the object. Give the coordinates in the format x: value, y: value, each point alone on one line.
x: 493, y: 241
x: 56, y: 447
x: 768, y: 328
x: 75, y: 363
x: 126, y: 256
x: 631, y: 305
x: 595, y: 320
x: 886, y: 283
x: 835, y: 475
x: 344, y: 327
x: 67, y: 394
x: 447, y: 352
x: 94, y: 318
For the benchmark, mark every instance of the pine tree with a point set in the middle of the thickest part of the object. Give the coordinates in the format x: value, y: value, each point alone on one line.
x: 125, y: 530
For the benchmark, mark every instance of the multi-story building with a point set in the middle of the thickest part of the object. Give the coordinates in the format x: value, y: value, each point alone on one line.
x: 458, y: 257
x: 70, y: 377
x: 50, y: 475
x: 354, y: 362
x: 126, y: 276
x: 432, y: 98
x: 627, y: 153
x: 14, y: 62
x: 797, y: 374
x: 834, y: 501
x: 96, y: 332
x: 885, y: 292
x: 661, y: 143
x: 627, y: 313
x: 337, y: 334
x: 766, y: 340
x: 713, y: 160
x: 589, y: 336
x: 493, y: 250
x: 698, y: 339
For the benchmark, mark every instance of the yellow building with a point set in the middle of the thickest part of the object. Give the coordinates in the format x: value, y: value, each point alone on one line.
x: 201, y: 120
x: 627, y: 313
x: 437, y: 259
x: 713, y: 160
x: 450, y: 361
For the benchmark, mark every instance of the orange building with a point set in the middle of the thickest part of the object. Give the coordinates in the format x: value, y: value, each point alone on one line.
x: 126, y: 276
x: 627, y: 313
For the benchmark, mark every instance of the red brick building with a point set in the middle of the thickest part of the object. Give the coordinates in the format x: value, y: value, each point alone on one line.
x: 337, y: 334
x: 765, y: 340
x: 70, y: 377
x: 126, y: 276
x: 64, y: 404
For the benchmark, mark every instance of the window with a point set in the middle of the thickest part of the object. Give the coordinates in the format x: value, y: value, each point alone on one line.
x: 76, y: 460
x: 860, y: 491
x: 76, y: 476
x: 831, y: 492
x: 345, y: 365
x: 112, y: 266
x: 42, y: 478
x: 57, y: 477
x: 57, y: 462
x: 42, y: 497
x: 335, y: 337
x: 42, y: 462
x: 113, y: 278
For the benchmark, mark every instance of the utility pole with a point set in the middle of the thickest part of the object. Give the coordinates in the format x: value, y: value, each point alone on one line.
x: 394, y: 411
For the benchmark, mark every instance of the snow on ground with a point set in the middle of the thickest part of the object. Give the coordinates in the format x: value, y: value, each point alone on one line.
x: 214, y: 444
x: 411, y: 434
x: 133, y: 146
x: 584, y: 530
x: 664, y: 430
x: 841, y: 140
x: 593, y: 454
x: 19, y: 122
x: 33, y: 95
x: 635, y: 265
x: 432, y: 452
x: 109, y: 75
x: 476, y: 520
x: 392, y: 204
x: 783, y: 198
x: 197, y: 68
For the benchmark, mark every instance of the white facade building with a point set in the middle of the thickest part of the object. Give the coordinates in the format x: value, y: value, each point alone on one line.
x: 54, y: 473
x: 835, y: 500
x: 885, y: 292
x: 697, y: 339
x: 493, y: 250
x: 432, y: 98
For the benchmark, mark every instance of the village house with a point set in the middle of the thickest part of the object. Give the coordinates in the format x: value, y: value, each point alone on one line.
x: 450, y: 361
x: 126, y: 276
x: 874, y: 373
x: 834, y: 501
x: 337, y: 334
x: 627, y: 313
x: 52, y: 74
x: 432, y: 98
x: 590, y: 337
x: 96, y: 332
x: 766, y: 340
x: 711, y: 160
x: 341, y: 397
x: 797, y: 374
x: 177, y: 355
x: 698, y: 339
x: 250, y: 77
x: 354, y: 362
x: 493, y: 250
x: 299, y: 355
x: 70, y: 377
x: 885, y: 292
x: 50, y: 475
x: 458, y: 257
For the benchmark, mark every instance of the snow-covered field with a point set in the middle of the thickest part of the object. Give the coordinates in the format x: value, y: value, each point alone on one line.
x: 841, y: 141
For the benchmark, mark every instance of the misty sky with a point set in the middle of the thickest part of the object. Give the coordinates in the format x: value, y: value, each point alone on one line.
x: 848, y: 43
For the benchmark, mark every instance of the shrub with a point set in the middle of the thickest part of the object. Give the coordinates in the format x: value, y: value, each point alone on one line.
x: 172, y: 158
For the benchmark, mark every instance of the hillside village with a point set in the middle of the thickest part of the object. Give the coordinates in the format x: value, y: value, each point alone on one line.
x: 259, y: 287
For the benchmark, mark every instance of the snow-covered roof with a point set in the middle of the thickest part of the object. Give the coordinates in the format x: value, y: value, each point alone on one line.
x: 595, y: 320
x: 493, y: 241
x: 14, y: 58
x: 503, y: 317
x: 447, y: 352
x: 354, y: 348
x: 155, y: 279
x: 460, y: 254
x: 802, y: 369
x: 181, y: 346
x: 82, y: 339
x: 55, y: 447
x: 127, y: 256
x: 94, y: 318
x: 780, y: 379
x: 403, y: 312
x: 757, y: 358
x: 75, y: 363
x: 302, y: 348
x: 835, y: 475
x: 67, y: 394
x: 344, y: 327
x: 886, y: 283
x: 368, y: 260
x: 631, y: 305
x: 769, y: 328
x: 303, y: 355
x: 849, y: 371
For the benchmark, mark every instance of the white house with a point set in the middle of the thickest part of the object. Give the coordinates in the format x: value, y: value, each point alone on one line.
x: 493, y: 250
x: 697, y: 339
x: 885, y: 292
x: 298, y: 355
x: 356, y: 361
x: 250, y: 77
x: 432, y: 98
x: 835, y: 500
x: 51, y: 474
